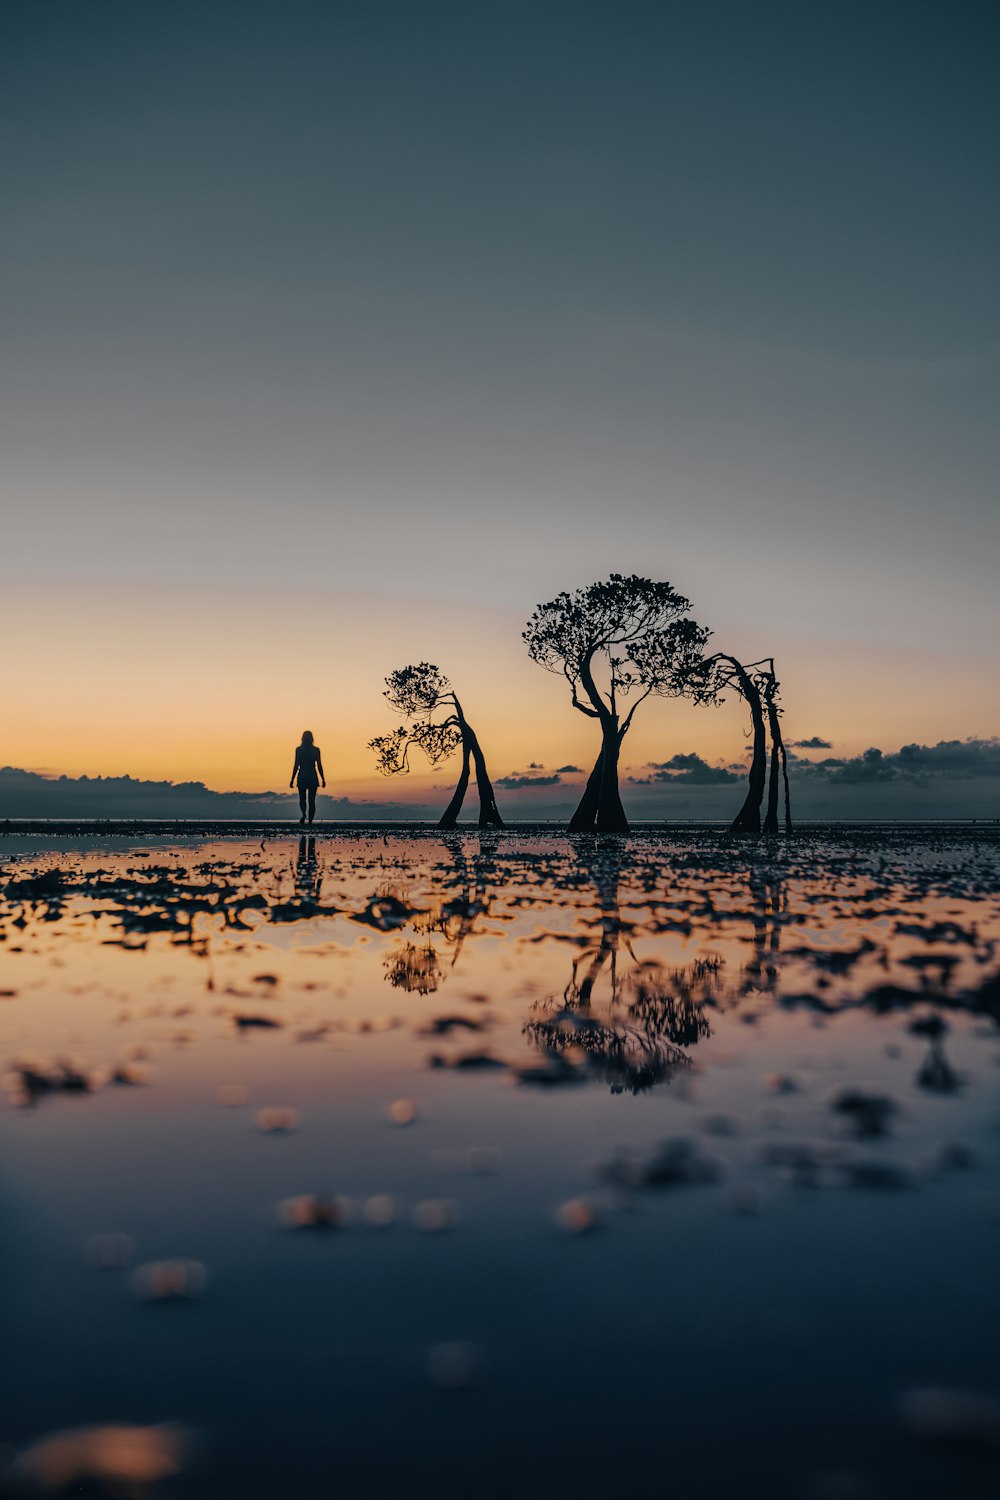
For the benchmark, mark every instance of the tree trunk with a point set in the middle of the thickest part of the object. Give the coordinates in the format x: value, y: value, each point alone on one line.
x: 778, y: 752
x: 747, y: 820
x: 600, y: 809
x: 771, y: 820
x: 449, y: 817
x: 584, y: 818
x: 610, y: 812
x: 489, y: 814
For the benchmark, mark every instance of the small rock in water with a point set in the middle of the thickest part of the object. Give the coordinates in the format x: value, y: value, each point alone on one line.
x: 277, y: 1119
x: 435, y: 1215
x: 940, y: 1414
x: 379, y: 1211
x: 402, y: 1112
x: 577, y: 1216
x: 113, y: 1460
x: 455, y: 1366
x: 108, y: 1252
x: 308, y: 1211
x: 169, y: 1280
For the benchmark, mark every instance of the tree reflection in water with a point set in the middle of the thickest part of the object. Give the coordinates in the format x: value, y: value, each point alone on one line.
x: 416, y: 968
x: 413, y: 968
x: 649, y: 1014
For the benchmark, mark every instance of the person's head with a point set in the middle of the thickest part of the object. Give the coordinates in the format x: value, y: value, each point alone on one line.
x: 307, y: 736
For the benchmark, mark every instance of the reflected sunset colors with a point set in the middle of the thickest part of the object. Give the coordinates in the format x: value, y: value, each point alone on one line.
x: 402, y: 1117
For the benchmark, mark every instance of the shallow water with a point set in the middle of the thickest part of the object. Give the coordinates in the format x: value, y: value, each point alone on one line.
x: 492, y: 1162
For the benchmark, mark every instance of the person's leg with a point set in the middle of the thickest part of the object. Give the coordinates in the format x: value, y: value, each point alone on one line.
x: 312, y: 803
x: 302, y: 802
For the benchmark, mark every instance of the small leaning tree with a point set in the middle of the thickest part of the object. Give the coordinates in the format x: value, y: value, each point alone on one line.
x: 625, y: 638
x: 435, y: 724
x: 757, y: 685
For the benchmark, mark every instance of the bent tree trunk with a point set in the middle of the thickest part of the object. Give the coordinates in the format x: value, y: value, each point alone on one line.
x: 489, y: 814
x: 771, y: 818
x: 584, y: 818
x: 778, y: 753
x: 747, y: 820
x: 600, y: 809
x: 449, y: 817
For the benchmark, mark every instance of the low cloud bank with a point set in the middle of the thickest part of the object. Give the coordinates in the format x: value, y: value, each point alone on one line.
x: 519, y: 782
x: 25, y: 794
x: 957, y: 760
x: 687, y: 768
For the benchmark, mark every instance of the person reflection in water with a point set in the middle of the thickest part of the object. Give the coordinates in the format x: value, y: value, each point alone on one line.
x: 308, y: 773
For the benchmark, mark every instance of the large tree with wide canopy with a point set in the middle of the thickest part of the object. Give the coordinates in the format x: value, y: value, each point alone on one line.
x: 616, y: 643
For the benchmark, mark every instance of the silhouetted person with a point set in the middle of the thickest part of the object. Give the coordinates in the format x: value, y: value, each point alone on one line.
x: 308, y: 773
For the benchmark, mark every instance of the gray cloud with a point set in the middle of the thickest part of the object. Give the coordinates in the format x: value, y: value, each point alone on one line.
x: 689, y: 768
x: 815, y: 742
x: 955, y: 760
x: 519, y: 782
x: 570, y: 770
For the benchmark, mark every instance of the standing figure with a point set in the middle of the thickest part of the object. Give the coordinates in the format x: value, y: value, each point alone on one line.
x: 308, y: 773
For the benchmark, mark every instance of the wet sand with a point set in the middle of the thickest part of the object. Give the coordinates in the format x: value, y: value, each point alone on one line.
x: 387, y: 1161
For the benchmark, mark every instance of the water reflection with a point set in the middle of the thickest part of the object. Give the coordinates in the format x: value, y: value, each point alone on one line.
x: 513, y: 1042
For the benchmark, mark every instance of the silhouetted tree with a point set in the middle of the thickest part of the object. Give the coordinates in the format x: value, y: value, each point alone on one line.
x: 435, y: 724
x: 758, y: 687
x: 633, y: 634
x: 769, y: 687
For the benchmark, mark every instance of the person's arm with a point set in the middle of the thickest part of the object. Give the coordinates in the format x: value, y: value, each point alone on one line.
x: 295, y: 767
x: 319, y: 766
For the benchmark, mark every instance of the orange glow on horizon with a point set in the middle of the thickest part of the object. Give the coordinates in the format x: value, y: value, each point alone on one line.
x: 194, y: 684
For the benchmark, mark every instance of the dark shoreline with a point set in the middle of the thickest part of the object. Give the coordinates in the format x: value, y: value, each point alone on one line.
x: 280, y: 828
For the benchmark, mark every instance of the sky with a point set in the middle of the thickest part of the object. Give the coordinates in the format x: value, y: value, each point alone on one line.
x: 341, y: 335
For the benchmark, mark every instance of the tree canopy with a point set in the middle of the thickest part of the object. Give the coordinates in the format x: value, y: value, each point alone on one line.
x: 436, y: 724
x: 617, y: 643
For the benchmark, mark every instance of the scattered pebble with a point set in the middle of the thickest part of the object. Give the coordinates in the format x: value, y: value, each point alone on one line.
x: 311, y: 1212
x: 577, y: 1216
x: 379, y: 1211
x: 119, y: 1459
x: 169, y: 1280
x: 435, y: 1215
x: 277, y: 1119
x: 402, y: 1112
